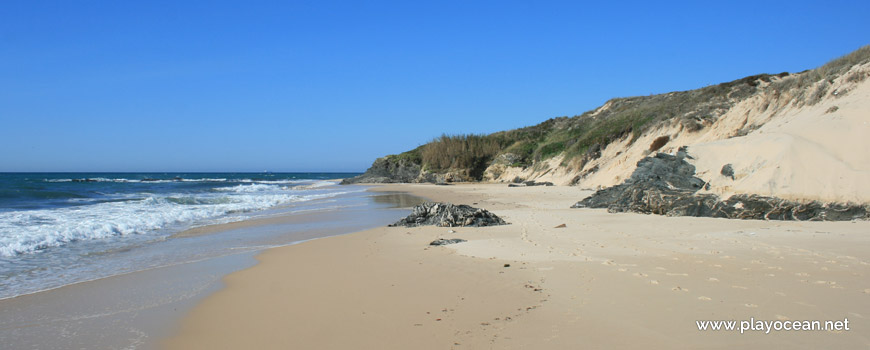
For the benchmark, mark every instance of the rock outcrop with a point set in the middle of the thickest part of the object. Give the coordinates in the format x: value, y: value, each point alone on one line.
x: 666, y: 185
x: 449, y: 215
x: 388, y: 169
x: 530, y: 184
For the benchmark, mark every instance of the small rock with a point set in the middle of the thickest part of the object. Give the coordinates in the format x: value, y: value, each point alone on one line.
x: 442, y: 241
x: 507, y: 265
x: 727, y: 171
x: 561, y: 226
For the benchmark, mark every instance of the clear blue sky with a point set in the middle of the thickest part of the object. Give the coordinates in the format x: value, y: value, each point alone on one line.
x: 330, y: 86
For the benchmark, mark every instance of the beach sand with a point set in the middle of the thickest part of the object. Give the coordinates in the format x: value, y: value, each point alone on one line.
x: 134, y: 310
x: 611, y: 281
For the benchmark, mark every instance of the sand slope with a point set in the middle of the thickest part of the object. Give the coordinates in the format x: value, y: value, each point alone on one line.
x: 778, y: 144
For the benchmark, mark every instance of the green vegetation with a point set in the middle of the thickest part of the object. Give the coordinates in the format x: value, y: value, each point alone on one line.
x: 580, y: 138
x: 413, y: 156
x: 465, y: 152
x: 800, y: 86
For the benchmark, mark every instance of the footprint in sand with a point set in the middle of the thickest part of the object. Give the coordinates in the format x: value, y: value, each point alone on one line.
x: 621, y: 269
x: 750, y: 305
x: 676, y: 274
x: 660, y: 268
x: 679, y: 289
x: 779, y: 293
x: 801, y: 274
x: 739, y: 287
x: 713, y: 279
x: 704, y: 298
x: 867, y: 291
x: 640, y: 274
x: 653, y: 282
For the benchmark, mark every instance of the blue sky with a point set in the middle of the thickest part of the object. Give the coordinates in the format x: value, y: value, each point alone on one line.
x: 330, y: 86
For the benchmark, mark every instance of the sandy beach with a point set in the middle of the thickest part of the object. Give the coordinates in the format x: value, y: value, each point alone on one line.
x: 604, y: 280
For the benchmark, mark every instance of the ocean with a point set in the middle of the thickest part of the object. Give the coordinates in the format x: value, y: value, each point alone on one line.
x: 58, y: 229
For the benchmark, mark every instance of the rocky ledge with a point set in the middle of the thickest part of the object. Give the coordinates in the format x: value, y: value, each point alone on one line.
x: 388, y: 169
x: 530, y: 184
x: 666, y: 185
x: 449, y: 215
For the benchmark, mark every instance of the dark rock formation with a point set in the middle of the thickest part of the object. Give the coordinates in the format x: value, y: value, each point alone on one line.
x: 666, y: 185
x: 449, y: 215
x: 531, y: 183
x: 727, y: 171
x: 442, y: 241
x: 387, y: 170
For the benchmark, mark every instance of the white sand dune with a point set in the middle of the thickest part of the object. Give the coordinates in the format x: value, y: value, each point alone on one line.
x: 793, y: 150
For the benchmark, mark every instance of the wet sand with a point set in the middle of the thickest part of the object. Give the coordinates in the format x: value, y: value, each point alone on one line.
x: 615, y: 281
x: 132, y: 311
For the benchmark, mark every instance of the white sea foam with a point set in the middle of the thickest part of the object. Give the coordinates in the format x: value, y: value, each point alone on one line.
x: 279, y: 181
x: 27, y: 231
x: 253, y: 187
x: 123, y: 180
x: 318, y: 184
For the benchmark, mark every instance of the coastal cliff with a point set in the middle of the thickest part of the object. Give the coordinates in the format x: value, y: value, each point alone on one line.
x: 399, y: 168
x: 798, y: 137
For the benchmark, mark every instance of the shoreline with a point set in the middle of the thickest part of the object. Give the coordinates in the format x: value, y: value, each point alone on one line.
x: 606, y: 280
x: 135, y: 309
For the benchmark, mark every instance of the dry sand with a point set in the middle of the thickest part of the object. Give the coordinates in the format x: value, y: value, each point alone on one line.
x: 608, y: 281
x: 788, y: 150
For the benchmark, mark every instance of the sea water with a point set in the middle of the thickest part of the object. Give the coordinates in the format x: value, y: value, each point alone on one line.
x: 58, y: 229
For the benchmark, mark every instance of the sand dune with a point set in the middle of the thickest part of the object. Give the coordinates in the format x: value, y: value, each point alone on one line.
x: 778, y: 145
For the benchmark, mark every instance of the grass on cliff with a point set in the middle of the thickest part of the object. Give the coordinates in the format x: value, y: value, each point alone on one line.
x: 811, y: 86
x: 579, y: 137
x: 463, y: 152
x: 414, y: 156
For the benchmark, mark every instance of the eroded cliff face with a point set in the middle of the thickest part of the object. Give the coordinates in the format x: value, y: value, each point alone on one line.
x: 799, y: 137
x: 799, y: 143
